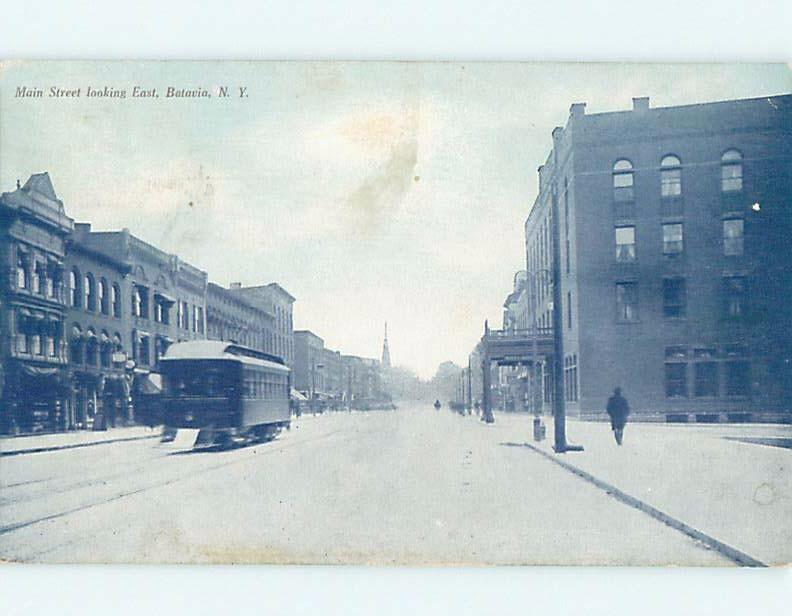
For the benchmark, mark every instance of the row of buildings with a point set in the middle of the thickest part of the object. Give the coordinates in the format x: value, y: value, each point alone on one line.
x: 85, y: 316
x: 328, y: 379
x: 667, y: 233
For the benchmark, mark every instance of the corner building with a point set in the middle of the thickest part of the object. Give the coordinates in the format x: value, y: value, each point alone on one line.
x: 673, y: 227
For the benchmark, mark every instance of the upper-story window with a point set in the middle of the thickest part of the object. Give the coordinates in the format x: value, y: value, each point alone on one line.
x: 733, y: 237
x: 673, y: 239
x: 75, y: 292
x: 670, y: 176
x: 104, y: 297
x: 625, y: 244
x: 22, y: 271
x: 623, y: 180
x: 90, y: 292
x: 115, y: 300
x: 731, y: 171
x: 140, y: 301
x: 38, y: 277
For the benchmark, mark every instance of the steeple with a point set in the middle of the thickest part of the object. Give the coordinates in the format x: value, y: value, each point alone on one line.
x: 386, y: 362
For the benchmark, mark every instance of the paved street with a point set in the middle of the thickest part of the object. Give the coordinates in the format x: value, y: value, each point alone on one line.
x: 412, y: 486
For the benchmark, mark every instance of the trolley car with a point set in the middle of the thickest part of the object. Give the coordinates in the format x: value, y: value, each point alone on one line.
x: 227, y: 392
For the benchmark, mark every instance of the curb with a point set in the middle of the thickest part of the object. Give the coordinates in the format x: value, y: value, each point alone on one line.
x: 20, y: 452
x: 733, y: 554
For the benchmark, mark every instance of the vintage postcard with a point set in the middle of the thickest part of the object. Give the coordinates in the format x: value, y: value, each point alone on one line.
x: 403, y: 313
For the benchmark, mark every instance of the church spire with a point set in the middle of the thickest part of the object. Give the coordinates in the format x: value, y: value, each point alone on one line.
x: 386, y: 361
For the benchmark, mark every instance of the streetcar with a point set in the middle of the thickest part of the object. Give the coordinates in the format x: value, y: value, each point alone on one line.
x: 223, y: 393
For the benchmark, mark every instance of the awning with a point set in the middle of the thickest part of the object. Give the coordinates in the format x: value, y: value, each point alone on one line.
x: 53, y: 318
x: 167, y: 298
x: 296, y: 395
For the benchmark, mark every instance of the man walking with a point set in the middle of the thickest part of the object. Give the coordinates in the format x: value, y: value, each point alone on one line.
x: 618, y: 409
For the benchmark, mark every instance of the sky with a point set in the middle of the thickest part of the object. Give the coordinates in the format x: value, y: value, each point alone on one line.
x: 371, y: 191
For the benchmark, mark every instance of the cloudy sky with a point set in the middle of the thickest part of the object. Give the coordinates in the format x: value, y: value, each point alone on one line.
x: 371, y: 191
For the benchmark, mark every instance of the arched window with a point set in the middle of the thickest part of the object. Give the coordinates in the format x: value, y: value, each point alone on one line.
x: 115, y: 300
x: 106, y: 352
x: 731, y: 171
x: 670, y: 176
x: 104, y: 297
x: 623, y: 180
x: 90, y: 292
x: 74, y: 289
x: 91, y: 348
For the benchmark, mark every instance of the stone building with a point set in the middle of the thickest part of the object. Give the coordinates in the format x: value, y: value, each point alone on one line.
x: 34, y: 386
x: 230, y: 317
x: 274, y: 299
x: 672, y: 229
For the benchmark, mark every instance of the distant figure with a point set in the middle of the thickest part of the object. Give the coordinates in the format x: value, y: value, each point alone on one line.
x: 618, y: 409
x: 437, y: 405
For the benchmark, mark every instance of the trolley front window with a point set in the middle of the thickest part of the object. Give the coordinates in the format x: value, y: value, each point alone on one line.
x: 199, y: 379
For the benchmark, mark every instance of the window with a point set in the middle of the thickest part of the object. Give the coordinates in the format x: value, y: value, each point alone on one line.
x: 626, y: 301
x: 144, y: 350
x: 738, y: 378
x: 74, y: 289
x: 670, y: 177
x: 625, y: 244
x: 200, y: 316
x: 675, y: 376
x: 184, y: 321
x: 38, y: 275
x: 76, y: 351
x: 91, y: 349
x: 104, y: 298
x: 672, y: 239
x: 731, y: 171
x: 140, y: 303
x: 90, y: 292
x: 706, y: 379
x: 115, y: 300
x: 733, y: 238
x: 52, y: 281
x: 623, y: 181
x: 674, y: 297
x: 106, y: 354
x: 22, y: 271
x: 734, y: 297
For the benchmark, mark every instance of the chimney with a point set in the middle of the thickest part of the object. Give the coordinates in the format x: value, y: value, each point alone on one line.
x: 235, y: 285
x: 577, y: 110
x: 640, y: 104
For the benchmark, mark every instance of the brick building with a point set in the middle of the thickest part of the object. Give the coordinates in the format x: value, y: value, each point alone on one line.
x: 34, y: 385
x: 98, y: 333
x: 672, y: 234
x: 308, y: 371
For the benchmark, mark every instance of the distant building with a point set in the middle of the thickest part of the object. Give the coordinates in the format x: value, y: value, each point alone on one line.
x: 673, y: 229
x: 34, y: 383
x: 274, y: 299
x: 308, y: 375
x: 231, y: 317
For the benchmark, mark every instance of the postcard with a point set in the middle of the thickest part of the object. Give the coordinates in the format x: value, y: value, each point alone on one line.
x: 395, y: 313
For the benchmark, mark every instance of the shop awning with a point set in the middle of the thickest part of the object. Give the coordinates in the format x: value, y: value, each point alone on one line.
x: 297, y: 396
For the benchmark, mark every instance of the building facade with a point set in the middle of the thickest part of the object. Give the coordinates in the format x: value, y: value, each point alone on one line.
x: 671, y: 229
x: 98, y: 334
x: 165, y: 298
x: 308, y: 369
x: 34, y: 384
x: 274, y: 299
x: 230, y: 317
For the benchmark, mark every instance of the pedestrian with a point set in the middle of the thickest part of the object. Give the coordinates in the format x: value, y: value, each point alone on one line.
x: 618, y: 409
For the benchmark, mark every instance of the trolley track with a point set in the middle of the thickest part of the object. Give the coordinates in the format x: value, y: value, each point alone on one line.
x: 254, y: 454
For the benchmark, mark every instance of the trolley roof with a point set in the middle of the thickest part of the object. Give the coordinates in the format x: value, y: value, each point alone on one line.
x: 217, y: 349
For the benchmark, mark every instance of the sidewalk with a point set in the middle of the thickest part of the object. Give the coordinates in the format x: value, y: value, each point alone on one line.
x: 736, y: 492
x: 12, y: 446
